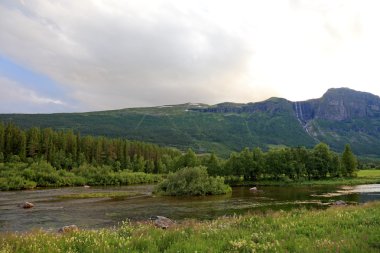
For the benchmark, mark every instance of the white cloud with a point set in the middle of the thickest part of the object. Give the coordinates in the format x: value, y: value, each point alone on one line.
x: 114, y: 54
x: 15, y: 98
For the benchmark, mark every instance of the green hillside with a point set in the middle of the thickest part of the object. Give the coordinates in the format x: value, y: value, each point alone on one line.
x: 227, y: 127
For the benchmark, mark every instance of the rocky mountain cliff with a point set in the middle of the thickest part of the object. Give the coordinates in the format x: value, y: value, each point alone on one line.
x: 341, y: 104
x: 340, y: 116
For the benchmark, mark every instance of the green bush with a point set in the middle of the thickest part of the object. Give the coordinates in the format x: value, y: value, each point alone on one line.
x: 16, y: 183
x: 192, y: 181
x: 18, y: 176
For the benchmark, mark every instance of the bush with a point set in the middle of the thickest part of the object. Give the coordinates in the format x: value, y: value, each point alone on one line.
x: 192, y: 181
x: 16, y: 183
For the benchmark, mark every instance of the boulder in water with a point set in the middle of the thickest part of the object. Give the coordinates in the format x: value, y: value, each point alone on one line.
x: 27, y: 205
x: 339, y: 203
x: 162, y: 222
x: 253, y: 189
x: 68, y: 229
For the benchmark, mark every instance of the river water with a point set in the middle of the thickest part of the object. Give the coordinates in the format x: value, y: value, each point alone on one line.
x: 51, y: 211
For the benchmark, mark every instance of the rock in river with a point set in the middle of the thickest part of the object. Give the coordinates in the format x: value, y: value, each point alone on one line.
x: 67, y: 229
x: 27, y: 205
x: 162, y: 222
x: 339, y: 203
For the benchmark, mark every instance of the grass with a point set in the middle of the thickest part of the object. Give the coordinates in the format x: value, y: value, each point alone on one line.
x: 113, y: 195
x: 363, y: 177
x: 338, y: 229
x: 371, y: 174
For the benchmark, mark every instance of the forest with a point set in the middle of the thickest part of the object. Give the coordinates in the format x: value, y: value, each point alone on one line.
x: 45, y: 157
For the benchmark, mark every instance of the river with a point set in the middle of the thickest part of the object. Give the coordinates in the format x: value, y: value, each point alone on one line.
x: 52, y: 211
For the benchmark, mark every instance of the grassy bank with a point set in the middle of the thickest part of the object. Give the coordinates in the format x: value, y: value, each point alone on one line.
x: 363, y: 177
x: 338, y: 229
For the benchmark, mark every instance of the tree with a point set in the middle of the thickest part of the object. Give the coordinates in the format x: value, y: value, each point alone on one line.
x: 301, y: 156
x: 22, y: 148
x: 349, y: 161
x: 233, y: 165
x: 213, y: 166
x: 335, y: 168
x: 321, y: 160
x: 2, y: 137
x: 274, y: 162
x: 188, y: 160
x: 252, y: 163
x: 192, y: 181
x: 246, y: 163
x: 33, y: 142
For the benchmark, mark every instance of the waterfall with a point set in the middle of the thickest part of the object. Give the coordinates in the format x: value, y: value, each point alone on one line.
x: 301, y: 119
x: 299, y: 115
x: 300, y: 112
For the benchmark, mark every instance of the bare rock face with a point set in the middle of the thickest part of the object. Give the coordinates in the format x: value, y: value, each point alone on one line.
x: 68, y: 229
x: 341, y: 104
x: 27, y: 205
x: 162, y: 222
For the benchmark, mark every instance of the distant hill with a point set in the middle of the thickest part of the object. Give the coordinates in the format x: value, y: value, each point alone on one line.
x: 340, y: 116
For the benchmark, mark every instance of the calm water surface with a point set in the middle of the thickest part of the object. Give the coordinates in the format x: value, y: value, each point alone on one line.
x: 51, y: 211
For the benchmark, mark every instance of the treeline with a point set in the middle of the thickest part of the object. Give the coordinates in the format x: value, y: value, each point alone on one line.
x: 45, y: 157
x: 293, y: 163
x: 68, y: 150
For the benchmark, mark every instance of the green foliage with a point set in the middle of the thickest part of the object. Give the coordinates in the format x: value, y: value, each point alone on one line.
x: 187, y: 160
x: 320, y: 161
x: 66, y: 150
x: 62, y: 158
x: 213, y: 165
x: 18, y: 176
x: 348, y: 229
x: 192, y: 181
x: 281, y: 164
x: 349, y: 162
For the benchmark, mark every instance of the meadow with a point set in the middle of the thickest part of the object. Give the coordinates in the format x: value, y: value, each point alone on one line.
x: 337, y: 229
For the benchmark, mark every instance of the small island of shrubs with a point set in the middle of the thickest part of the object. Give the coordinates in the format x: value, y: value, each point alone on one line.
x: 193, y: 181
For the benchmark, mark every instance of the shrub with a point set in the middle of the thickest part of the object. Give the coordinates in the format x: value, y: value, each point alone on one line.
x: 192, y: 181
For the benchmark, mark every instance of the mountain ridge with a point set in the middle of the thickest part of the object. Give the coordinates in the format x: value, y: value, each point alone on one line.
x: 340, y: 116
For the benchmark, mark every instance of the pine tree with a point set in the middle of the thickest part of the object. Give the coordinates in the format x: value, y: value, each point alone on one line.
x: 22, y: 148
x: 2, y: 137
x: 349, y: 161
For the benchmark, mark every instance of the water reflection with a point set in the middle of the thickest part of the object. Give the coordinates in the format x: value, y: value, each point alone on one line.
x: 51, y: 211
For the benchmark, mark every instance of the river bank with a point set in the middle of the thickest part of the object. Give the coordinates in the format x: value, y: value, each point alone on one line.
x: 337, y: 229
x: 363, y: 177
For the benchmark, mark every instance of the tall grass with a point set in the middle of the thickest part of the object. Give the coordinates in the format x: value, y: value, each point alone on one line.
x: 340, y: 229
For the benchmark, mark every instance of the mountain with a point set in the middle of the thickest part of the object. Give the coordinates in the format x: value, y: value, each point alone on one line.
x: 340, y: 116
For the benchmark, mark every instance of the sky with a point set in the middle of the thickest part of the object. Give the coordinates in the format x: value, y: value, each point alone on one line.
x: 90, y: 55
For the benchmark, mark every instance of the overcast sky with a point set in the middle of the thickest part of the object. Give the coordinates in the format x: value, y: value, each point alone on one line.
x: 65, y: 56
